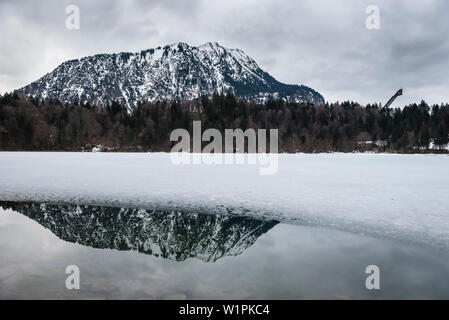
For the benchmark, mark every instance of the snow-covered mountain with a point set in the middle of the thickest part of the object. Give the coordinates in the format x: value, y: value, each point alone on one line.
x: 170, y: 235
x: 176, y: 71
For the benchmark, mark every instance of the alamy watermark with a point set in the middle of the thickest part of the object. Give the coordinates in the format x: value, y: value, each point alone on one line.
x: 373, y: 280
x: 372, y: 21
x: 190, y: 151
x: 72, y: 282
x: 72, y: 20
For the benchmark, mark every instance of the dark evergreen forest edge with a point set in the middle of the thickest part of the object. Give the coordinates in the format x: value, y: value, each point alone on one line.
x: 32, y: 125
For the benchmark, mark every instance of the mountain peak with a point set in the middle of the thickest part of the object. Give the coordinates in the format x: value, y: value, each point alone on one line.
x: 211, y: 44
x: 174, y: 72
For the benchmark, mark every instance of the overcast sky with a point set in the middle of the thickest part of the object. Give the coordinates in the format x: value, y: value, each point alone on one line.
x: 323, y: 44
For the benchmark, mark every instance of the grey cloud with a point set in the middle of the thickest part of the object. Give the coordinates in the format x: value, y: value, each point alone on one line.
x: 320, y: 43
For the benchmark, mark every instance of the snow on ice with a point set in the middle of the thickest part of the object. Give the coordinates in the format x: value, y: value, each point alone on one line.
x: 402, y: 197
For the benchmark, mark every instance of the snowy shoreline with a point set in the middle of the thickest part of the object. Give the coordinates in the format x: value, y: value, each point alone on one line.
x: 396, y: 196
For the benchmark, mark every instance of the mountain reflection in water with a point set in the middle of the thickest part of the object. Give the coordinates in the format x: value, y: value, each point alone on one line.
x: 170, y: 235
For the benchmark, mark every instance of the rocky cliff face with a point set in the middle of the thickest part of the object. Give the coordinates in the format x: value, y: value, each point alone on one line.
x: 174, y: 72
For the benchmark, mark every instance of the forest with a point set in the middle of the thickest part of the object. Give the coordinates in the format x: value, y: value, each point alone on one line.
x: 32, y: 125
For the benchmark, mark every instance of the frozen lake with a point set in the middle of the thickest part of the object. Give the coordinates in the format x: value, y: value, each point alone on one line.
x: 139, y: 226
x: 400, y: 197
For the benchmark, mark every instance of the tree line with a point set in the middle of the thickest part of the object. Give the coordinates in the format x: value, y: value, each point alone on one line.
x: 30, y: 124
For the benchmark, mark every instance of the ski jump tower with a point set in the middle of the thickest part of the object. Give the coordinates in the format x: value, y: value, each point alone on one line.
x: 397, y: 94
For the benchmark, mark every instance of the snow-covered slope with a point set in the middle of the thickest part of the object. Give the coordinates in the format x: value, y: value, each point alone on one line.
x: 177, y: 71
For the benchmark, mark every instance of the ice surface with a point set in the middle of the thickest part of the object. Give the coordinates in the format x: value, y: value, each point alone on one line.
x: 403, y: 197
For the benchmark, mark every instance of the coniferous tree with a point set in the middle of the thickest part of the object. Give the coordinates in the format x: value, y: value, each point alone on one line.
x: 348, y: 126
